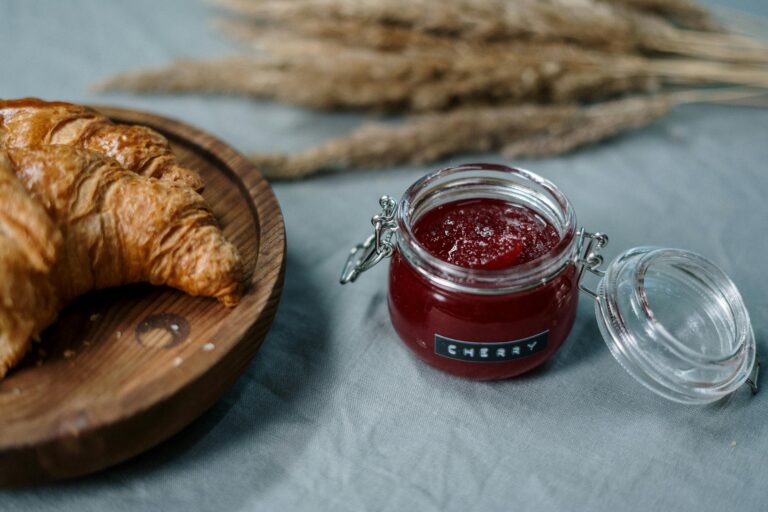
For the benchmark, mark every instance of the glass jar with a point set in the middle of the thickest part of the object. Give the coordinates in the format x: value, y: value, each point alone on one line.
x: 671, y: 318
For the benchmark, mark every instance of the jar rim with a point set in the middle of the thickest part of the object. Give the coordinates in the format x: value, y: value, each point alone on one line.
x: 515, y: 278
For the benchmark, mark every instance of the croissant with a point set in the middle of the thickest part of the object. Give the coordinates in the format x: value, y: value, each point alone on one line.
x: 29, y: 245
x: 72, y: 220
x: 119, y: 227
x: 29, y: 122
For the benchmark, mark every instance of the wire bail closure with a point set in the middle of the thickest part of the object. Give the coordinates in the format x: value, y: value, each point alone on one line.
x: 754, y: 375
x: 589, y: 258
x: 377, y: 246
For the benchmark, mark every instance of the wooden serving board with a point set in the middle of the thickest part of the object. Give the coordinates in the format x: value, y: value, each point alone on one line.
x: 126, y: 368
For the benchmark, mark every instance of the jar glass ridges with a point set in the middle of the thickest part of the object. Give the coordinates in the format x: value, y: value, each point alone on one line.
x: 676, y: 323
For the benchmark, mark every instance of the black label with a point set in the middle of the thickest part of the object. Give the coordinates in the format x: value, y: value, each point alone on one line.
x: 490, y: 352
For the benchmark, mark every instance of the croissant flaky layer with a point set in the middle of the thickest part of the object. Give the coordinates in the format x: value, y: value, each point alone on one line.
x: 30, y: 122
x: 120, y: 227
x: 29, y: 245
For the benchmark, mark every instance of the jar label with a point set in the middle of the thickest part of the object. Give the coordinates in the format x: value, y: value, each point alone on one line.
x: 480, y: 352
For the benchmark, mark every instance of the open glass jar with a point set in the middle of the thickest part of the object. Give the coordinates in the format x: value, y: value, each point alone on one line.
x: 671, y: 318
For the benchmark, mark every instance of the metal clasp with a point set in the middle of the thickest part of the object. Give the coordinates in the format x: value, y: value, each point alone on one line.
x: 589, y: 258
x: 377, y: 246
x: 754, y: 375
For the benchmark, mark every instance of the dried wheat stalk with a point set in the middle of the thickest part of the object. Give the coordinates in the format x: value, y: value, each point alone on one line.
x: 529, y: 130
x: 388, y: 38
x: 588, y: 22
x: 608, y: 25
x: 683, y: 13
x: 418, y: 80
x: 521, y: 129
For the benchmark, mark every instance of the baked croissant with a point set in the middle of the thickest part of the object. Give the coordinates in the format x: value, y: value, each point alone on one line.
x: 72, y: 220
x: 30, y: 122
x: 29, y: 245
x: 119, y: 227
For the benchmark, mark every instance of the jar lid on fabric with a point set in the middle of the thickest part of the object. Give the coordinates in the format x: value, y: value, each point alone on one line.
x: 676, y: 323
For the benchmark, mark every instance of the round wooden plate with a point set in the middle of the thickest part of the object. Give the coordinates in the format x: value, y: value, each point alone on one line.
x: 126, y: 368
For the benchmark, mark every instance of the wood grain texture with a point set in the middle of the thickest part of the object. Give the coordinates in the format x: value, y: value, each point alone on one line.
x: 124, y: 369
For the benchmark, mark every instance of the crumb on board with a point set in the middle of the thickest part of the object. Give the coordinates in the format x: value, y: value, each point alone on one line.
x: 95, y: 317
x: 69, y: 354
x: 733, y: 444
x: 208, y: 347
x: 177, y: 362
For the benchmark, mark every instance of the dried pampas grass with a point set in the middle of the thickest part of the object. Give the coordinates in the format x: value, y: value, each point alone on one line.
x: 683, y: 13
x: 414, y: 80
x: 527, y: 130
x: 618, y: 25
x: 529, y: 77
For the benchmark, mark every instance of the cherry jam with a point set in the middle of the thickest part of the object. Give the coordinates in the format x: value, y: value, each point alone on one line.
x: 485, y: 233
x: 484, y: 287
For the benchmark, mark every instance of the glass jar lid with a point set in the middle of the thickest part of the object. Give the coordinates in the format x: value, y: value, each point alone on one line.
x: 677, y: 324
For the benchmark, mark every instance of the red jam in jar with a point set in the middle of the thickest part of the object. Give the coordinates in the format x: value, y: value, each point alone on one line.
x: 483, y: 280
x: 485, y: 233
